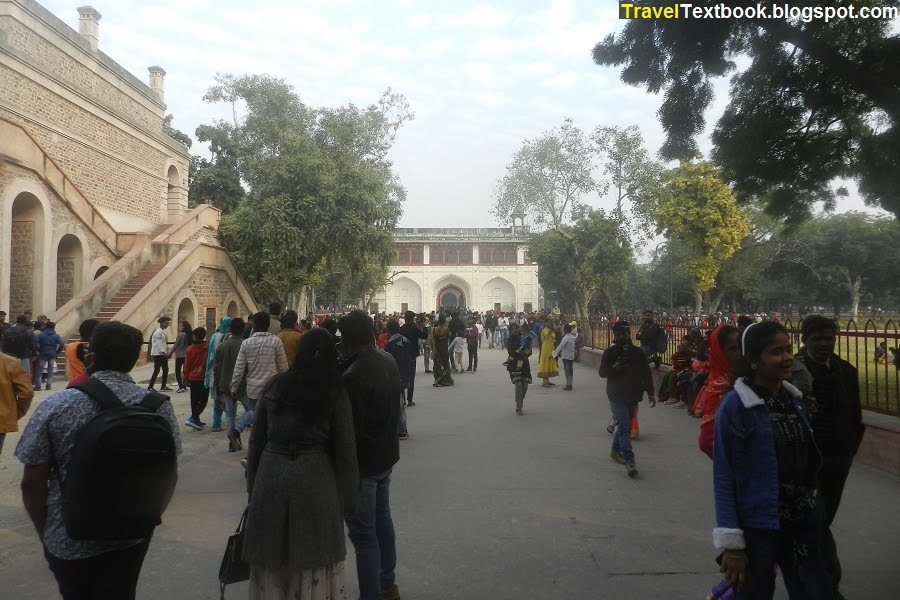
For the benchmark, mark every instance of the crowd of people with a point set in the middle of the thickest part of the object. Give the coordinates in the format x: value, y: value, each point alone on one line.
x: 325, y: 400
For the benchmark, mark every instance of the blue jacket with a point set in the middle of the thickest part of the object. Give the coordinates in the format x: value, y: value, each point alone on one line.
x: 745, y: 467
x: 49, y: 342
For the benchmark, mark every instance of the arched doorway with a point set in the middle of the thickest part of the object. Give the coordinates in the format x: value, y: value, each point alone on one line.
x: 499, y: 294
x: 69, y: 266
x: 450, y: 296
x: 28, y: 231
x: 173, y: 208
x: 405, y: 294
x: 187, y: 312
x: 232, y: 309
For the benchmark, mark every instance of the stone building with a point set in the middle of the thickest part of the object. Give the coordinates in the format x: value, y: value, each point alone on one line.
x: 481, y: 269
x: 94, y: 218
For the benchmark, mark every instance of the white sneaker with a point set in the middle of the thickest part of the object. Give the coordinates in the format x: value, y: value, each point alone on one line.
x: 680, y: 405
x: 671, y: 401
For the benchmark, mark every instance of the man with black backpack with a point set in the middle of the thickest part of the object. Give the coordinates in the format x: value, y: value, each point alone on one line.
x: 100, y: 469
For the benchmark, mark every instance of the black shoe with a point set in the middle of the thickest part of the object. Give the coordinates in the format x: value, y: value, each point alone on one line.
x: 429, y: 371
x: 165, y: 388
x: 404, y: 436
x: 410, y: 403
x: 234, y: 439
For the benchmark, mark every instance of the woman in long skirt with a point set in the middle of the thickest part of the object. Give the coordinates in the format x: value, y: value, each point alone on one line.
x: 302, y: 478
x: 547, y: 365
x: 440, y: 351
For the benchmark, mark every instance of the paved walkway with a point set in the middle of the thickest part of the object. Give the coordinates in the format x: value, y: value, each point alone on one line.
x: 488, y: 505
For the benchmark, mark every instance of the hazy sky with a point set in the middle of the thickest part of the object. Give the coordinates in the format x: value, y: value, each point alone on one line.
x: 480, y: 76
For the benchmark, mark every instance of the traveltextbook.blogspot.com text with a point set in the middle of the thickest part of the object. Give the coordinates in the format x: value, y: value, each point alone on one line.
x: 630, y: 10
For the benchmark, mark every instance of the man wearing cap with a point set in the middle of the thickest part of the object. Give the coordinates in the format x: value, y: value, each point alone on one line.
x: 628, y: 377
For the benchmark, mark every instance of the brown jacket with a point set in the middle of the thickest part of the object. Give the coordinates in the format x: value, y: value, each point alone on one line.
x: 15, y: 393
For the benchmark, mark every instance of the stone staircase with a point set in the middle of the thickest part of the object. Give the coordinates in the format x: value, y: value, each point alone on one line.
x: 136, y: 284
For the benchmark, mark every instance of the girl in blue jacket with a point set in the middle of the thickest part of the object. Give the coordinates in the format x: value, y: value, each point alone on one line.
x: 765, y: 464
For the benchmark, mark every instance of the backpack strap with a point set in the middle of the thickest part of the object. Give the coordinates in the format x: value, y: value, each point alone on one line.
x: 100, y: 392
x: 153, y: 400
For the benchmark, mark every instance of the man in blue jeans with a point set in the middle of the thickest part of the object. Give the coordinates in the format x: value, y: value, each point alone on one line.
x: 628, y: 377
x: 373, y: 385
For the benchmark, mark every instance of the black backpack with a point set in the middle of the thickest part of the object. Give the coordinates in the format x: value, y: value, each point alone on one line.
x: 121, y: 468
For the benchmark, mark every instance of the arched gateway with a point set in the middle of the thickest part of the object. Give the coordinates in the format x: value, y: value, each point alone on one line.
x: 478, y: 268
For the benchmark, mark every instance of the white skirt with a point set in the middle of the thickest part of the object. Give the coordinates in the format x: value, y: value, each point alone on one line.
x: 322, y: 583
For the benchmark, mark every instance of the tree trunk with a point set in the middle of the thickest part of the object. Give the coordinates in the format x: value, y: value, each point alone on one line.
x: 610, y: 303
x: 854, y: 296
x: 714, y: 301
x: 305, y: 298
x: 698, y: 298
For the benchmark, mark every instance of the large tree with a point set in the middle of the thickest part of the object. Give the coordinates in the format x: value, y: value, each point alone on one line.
x: 696, y: 206
x: 320, y: 187
x: 547, y: 178
x: 841, y: 258
x: 633, y: 175
x: 819, y: 101
x: 590, y: 256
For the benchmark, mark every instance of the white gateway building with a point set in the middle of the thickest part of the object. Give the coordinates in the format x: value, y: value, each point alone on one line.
x: 480, y: 268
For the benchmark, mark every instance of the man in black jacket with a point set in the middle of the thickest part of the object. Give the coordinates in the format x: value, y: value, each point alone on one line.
x: 832, y: 398
x: 413, y: 332
x: 373, y: 385
x: 628, y: 377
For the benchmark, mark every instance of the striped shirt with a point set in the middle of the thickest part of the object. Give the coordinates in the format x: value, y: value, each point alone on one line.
x: 261, y: 356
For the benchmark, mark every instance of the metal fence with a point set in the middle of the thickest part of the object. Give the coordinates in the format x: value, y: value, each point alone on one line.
x: 879, y: 381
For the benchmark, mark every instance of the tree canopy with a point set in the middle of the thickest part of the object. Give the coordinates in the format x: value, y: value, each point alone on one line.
x: 819, y: 102
x: 320, y: 189
x: 696, y: 206
x: 547, y: 178
x: 592, y: 255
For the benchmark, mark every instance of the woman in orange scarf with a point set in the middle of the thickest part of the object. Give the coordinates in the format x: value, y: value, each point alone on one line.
x: 723, y: 354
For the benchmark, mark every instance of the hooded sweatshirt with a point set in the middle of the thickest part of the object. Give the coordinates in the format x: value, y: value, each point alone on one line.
x: 221, y: 334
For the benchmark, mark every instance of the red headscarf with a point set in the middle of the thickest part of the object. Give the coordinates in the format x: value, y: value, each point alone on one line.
x: 717, y: 385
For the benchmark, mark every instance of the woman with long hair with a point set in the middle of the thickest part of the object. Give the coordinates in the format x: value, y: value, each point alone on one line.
x: 441, y: 352
x: 765, y: 467
x: 723, y: 355
x: 302, y: 478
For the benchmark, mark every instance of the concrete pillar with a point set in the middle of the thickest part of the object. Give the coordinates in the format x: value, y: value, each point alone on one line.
x: 89, y: 24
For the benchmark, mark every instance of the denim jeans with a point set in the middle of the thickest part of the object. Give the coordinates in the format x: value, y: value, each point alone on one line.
x: 26, y: 366
x: 623, y: 412
x: 568, y: 368
x: 426, y: 353
x: 401, y: 423
x: 246, y: 419
x: 44, y: 360
x: 231, y: 408
x: 504, y: 337
x: 2, y: 439
x: 372, y: 533
x: 412, y: 379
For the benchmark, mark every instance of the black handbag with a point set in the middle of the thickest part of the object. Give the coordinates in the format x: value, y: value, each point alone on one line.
x: 233, y: 568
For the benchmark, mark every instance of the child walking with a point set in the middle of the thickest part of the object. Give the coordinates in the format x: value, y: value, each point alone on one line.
x: 195, y: 372
x: 456, y: 347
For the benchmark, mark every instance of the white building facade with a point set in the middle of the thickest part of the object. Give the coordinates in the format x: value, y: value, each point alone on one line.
x: 479, y: 268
